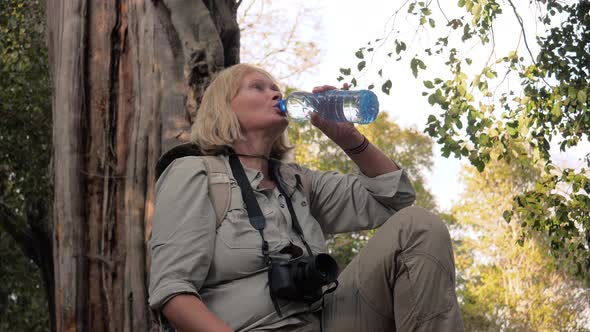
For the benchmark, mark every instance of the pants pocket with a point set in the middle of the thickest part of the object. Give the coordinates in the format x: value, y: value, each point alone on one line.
x: 431, y: 286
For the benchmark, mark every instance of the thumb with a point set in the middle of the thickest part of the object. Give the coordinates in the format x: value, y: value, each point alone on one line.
x: 315, y: 119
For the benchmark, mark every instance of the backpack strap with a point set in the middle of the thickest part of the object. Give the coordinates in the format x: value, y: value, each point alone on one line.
x: 219, y: 186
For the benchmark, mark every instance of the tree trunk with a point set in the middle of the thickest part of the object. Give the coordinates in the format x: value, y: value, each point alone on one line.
x: 127, y: 78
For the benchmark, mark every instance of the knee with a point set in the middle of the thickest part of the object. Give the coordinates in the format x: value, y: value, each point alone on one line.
x: 415, y: 225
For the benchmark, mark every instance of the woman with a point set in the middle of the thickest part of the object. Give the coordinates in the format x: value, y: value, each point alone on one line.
x: 208, y: 279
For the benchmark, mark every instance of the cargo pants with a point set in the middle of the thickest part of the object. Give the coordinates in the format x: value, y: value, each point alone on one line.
x: 402, y: 280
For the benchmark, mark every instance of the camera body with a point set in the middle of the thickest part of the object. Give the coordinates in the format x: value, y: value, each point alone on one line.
x: 302, y: 279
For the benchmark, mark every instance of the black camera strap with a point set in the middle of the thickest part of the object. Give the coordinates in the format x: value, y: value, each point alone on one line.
x: 254, y: 213
x: 296, y: 226
x: 274, y: 167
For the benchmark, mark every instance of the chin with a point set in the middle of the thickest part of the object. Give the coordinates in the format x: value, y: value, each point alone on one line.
x: 278, y: 126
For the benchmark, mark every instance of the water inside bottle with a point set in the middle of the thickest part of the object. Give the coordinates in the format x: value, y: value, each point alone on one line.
x: 300, y: 108
x: 358, y: 107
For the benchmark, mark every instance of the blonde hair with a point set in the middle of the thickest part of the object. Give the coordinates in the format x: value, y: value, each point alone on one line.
x: 216, y: 125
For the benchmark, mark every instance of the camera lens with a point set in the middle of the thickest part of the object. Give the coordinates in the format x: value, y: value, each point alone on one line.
x: 319, y: 271
x: 327, y: 268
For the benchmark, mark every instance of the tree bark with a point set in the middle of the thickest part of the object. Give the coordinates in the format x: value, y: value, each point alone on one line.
x: 127, y: 78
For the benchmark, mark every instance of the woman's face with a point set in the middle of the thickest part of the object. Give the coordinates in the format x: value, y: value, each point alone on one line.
x: 255, y: 105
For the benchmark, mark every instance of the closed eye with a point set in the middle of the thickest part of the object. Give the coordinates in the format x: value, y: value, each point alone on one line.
x: 261, y: 85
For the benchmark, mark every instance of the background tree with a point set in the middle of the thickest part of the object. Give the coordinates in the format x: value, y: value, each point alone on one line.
x: 126, y: 79
x: 275, y: 36
x: 486, y: 108
x: 26, y: 272
x: 113, y: 93
x: 503, y: 287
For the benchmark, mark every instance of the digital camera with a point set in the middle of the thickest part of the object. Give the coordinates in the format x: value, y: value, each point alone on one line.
x: 302, y: 279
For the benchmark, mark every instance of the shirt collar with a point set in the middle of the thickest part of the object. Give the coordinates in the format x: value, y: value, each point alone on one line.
x: 287, y: 177
x: 254, y: 176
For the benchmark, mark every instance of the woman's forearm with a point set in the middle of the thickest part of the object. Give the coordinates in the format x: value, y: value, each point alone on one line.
x: 189, y: 314
x: 371, y: 161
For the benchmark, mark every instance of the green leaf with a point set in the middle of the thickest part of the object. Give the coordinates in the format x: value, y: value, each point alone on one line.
x: 371, y: 86
x: 345, y: 71
x: 484, y: 139
x: 507, y: 215
x: 386, y: 86
x: 461, y: 3
x: 415, y: 64
x: 361, y: 65
x: 428, y: 84
x: 380, y: 72
x: 399, y: 47
x: 581, y: 96
x: 359, y: 54
x: 556, y: 110
x: 436, y: 98
x: 431, y: 22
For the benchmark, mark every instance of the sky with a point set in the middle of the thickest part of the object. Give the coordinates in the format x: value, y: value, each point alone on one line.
x: 340, y: 27
x: 348, y: 25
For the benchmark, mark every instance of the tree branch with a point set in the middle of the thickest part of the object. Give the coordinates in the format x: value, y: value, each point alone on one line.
x: 526, y: 44
x: 10, y: 221
x: 33, y: 239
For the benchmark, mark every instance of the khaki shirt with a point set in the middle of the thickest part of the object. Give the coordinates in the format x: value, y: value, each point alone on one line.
x: 224, y: 267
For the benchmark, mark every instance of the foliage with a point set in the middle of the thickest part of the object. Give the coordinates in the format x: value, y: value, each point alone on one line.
x: 276, y: 37
x: 408, y: 147
x: 25, y: 151
x: 508, y: 105
x: 503, y: 287
x: 23, y: 306
x: 25, y: 139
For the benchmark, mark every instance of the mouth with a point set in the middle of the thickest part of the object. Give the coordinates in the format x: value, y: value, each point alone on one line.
x: 278, y: 110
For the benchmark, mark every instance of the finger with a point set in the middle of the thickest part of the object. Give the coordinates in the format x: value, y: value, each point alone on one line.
x: 323, y: 88
x: 345, y: 86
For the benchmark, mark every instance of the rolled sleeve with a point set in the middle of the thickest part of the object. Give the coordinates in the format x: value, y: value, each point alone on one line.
x: 183, y: 232
x: 350, y: 202
x: 393, y: 189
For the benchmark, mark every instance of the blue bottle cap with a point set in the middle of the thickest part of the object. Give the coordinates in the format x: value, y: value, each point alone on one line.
x: 282, y: 105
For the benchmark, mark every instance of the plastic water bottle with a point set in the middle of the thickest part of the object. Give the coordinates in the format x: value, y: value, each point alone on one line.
x: 360, y: 106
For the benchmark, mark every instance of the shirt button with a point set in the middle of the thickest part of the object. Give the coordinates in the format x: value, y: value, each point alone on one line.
x: 282, y: 205
x: 303, y: 203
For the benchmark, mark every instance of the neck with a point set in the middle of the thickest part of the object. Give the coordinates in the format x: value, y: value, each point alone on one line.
x: 254, y: 152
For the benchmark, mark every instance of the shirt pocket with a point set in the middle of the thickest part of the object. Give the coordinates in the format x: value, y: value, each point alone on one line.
x: 312, y: 230
x: 236, y: 232
x: 313, y: 234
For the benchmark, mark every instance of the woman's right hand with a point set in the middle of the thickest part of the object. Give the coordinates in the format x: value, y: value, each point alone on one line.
x: 189, y: 314
x: 344, y: 134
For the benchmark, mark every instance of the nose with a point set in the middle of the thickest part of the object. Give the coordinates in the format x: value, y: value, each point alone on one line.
x: 276, y: 96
